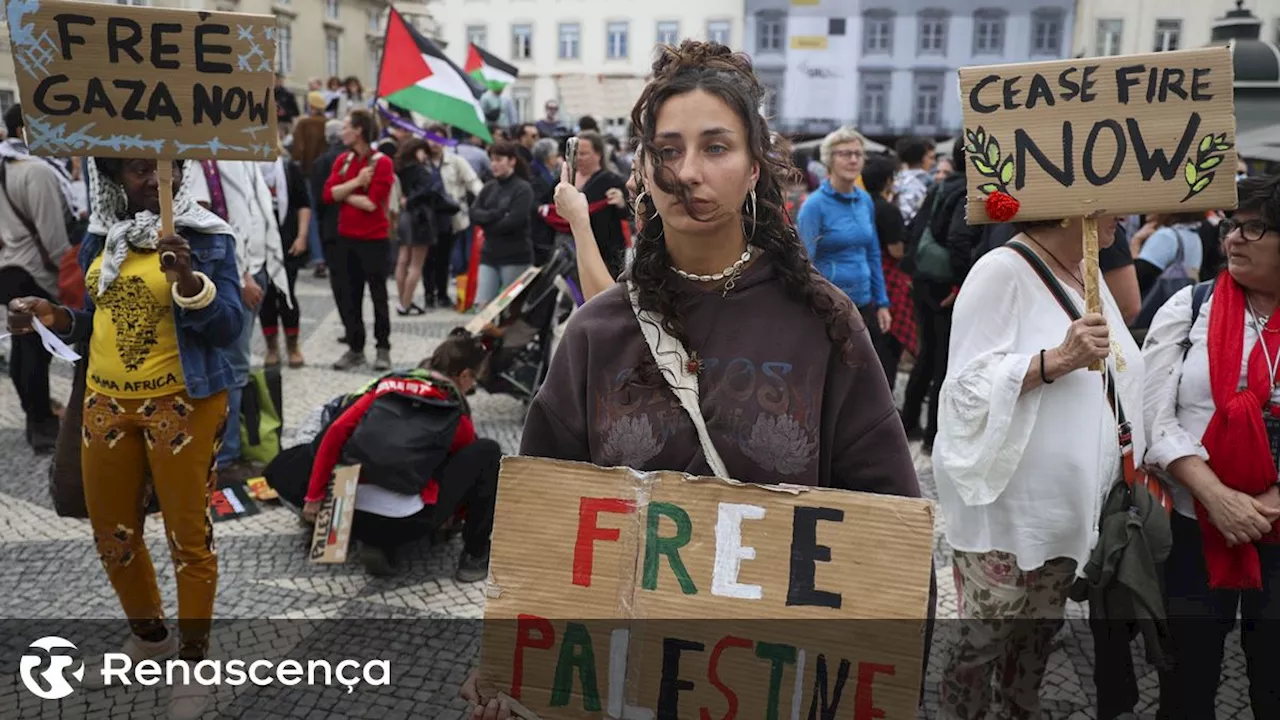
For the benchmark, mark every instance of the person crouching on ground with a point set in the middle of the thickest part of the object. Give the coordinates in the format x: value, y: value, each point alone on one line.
x: 385, y: 520
x: 160, y: 314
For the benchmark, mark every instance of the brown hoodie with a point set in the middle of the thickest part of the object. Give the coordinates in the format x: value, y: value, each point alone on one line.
x: 780, y: 405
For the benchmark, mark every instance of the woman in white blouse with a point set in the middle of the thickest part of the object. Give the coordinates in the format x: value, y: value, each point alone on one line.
x: 1028, y: 447
x: 1212, y: 409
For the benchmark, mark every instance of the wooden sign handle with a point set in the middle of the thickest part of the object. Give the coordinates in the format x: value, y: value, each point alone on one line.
x: 164, y: 172
x: 1092, y: 293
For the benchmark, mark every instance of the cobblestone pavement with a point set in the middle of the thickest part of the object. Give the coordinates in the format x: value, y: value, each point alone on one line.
x: 49, y: 573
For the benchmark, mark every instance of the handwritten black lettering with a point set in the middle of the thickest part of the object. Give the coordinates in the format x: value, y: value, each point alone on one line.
x: 1152, y: 76
x: 1039, y: 91
x: 1171, y: 83
x: 1071, y: 86
x: 137, y: 88
x: 96, y: 98
x: 258, y: 110
x: 206, y: 102
x: 1011, y: 93
x: 65, y: 38
x: 129, y: 44
x: 159, y: 48
x: 233, y: 103
x: 1024, y: 145
x: 1090, y: 146
x: 162, y: 105
x: 204, y: 48
x: 978, y: 87
x: 1086, y: 84
x: 1199, y: 85
x: 1151, y: 163
x: 67, y: 104
x: 1124, y: 81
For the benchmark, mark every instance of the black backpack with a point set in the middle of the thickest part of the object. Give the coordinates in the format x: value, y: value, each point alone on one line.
x: 404, y: 439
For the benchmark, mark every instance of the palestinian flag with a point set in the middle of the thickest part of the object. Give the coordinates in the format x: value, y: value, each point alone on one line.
x: 489, y: 70
x: 416, y: 75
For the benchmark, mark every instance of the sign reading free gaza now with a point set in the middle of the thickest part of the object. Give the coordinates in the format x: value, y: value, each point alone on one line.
x: 1129, y: 134
x: 124, y: 81
x: 640, y: 596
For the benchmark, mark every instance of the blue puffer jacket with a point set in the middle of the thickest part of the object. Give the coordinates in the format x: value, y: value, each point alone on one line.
x: 204, y: 334
x: 839, y: 229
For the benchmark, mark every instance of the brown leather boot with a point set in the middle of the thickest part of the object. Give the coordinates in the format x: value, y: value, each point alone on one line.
x: 273, y: 351
x: 295, y: 353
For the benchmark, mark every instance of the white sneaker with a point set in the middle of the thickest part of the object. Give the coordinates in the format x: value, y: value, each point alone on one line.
x: 138, y: 650
x: 189, y: 700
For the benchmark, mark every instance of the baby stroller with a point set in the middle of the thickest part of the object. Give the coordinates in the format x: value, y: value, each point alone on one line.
x: 523, y: 337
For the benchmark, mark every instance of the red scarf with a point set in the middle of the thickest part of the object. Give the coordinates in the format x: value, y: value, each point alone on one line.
x: 559, y: 224
x: 1236, y: 439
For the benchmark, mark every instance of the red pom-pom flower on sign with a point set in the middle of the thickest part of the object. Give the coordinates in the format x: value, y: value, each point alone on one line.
x: 1001, y: 207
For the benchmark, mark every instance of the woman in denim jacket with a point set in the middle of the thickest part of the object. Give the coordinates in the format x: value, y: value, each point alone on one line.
x: 159, y: 314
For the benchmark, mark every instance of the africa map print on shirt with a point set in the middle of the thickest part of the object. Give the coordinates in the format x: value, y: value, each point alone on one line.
x: 145, y: 353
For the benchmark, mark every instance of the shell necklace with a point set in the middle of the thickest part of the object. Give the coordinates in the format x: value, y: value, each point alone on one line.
x: 732, y: 272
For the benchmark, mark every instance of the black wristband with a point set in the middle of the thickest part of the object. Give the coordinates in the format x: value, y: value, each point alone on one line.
x: 1044, y: 377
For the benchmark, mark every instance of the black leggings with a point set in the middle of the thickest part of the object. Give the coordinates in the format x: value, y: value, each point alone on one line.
x: 276, y: 309
x: 435, y: 269
x: 931, y: 365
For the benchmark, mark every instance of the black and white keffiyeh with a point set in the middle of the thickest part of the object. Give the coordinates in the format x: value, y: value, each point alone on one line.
x: 109, y: 216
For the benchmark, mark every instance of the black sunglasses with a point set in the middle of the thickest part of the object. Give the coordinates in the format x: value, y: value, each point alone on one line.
x: 1250, y: 230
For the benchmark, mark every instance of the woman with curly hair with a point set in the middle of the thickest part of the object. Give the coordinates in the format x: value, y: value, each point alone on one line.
x: 778, y: 377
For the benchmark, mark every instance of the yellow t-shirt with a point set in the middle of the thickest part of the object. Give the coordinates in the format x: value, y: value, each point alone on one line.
x: 134, y: 349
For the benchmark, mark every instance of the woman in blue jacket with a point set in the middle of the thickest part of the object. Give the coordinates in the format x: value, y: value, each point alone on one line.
x: 160, y: 313
x: 838, y: 225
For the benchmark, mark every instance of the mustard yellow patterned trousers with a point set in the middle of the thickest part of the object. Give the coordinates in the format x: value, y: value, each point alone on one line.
x: 176, y: 439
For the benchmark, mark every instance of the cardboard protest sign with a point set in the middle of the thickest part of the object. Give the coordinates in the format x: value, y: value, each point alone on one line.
x: 1128, y: 134
x: 332, y: 534
x: 232, y: 501
x: 126, y: 81
x: 641, y: 595
x: 491, y: 311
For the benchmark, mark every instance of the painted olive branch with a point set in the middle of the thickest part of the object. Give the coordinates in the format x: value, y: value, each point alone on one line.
x: 1200, y: 173
x: 984, y: 153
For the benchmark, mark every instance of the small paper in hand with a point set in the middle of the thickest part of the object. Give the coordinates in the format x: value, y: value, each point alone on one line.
x: 52, y: 343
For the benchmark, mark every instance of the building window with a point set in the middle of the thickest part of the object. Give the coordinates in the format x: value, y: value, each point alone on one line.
x: 873, y: 101
x: 1168, y: 35
x: 616, y: 34
x: 1046, y: 32
x: 478, y: 35
x: 718, y: 31
x: 8, y: 99
x: 1109, y: 34
x: 375, y: 20
x: 836, y: 26
x: 877, y: 35
x: 668, y: 32
x: 521, y: 42
x: 284, y: 49
x: 139, y: 3
x: 522, y: 97
x: 926, y: 110
x: 570, y: 35
x: 933, y: 32
x: 375, y: 56
x: 988, y: 32
x: 331, y: 9
x: 331, y: 55
x: 770, y: 32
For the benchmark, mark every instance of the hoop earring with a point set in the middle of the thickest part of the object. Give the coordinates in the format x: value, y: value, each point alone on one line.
x: 751, y: 197
x: 640, y: 199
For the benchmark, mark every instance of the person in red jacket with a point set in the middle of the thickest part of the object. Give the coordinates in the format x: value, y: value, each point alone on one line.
x: 361, y: 183
x: 385, y: 520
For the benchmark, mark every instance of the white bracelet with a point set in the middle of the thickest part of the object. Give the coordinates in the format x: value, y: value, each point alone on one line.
x: 201, y: 300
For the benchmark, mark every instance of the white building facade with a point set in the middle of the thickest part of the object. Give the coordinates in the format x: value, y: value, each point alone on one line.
x: 1122, y: 27
x: 889, y: 66
x: 591, y: 55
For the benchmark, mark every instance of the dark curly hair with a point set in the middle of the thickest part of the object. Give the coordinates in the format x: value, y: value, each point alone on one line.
x: 717, y: 70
